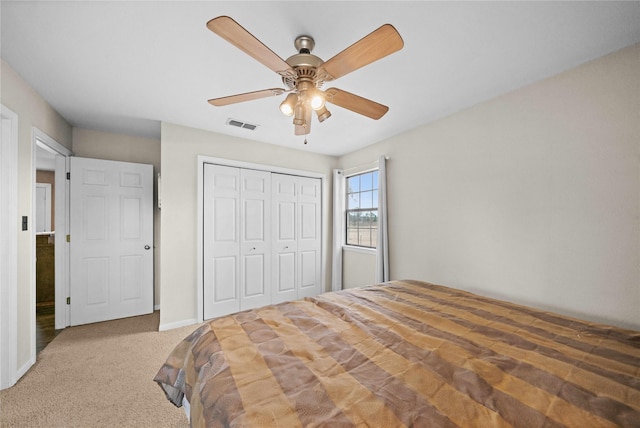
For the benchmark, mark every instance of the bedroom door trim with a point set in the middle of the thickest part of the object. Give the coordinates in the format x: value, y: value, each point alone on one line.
x: 201, y: 160
x: 61, y: 257
x: 9, y: 249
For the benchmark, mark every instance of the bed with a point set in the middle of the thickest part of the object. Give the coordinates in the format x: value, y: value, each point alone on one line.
x: 405, y: 353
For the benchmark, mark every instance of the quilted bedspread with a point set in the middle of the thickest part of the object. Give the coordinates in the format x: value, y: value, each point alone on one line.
x: 405, y: 353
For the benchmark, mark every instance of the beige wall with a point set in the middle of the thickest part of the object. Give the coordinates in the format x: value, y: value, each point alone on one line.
x: 180, y: 148
x: 358, y: 268
x: 126, y: 148
x: 32, y: 111
x: 533, y: 196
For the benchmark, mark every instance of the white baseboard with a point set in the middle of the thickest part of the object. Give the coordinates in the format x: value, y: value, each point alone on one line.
x: 24, y: 369
x: 177, y: 324
x: 156, y: 308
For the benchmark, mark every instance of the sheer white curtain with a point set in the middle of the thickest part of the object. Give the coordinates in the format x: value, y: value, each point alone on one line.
x: 382, y: 250
x: 338, y: 228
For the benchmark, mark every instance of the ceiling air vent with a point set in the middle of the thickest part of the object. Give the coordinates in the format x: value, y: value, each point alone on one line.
x: 239, y: 124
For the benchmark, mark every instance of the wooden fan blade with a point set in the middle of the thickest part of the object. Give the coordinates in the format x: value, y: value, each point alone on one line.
x: 382, y: 42
x: 232, y: 99
x: 235, y: 34
x: 356, y: 103
x: 306, y: 129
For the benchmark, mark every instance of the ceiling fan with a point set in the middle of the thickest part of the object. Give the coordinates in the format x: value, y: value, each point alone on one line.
x: 304, y: 74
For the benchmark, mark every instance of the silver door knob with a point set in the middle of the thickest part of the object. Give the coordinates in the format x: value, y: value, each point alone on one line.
x: 146, y: 247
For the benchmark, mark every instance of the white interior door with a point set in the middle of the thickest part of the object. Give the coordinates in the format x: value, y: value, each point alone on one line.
x: 111, y: 239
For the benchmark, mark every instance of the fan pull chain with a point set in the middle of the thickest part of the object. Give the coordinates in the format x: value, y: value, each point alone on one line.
x: 305, y: 139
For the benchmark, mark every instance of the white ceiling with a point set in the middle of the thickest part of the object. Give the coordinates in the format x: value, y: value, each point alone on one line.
x: 126, y: 66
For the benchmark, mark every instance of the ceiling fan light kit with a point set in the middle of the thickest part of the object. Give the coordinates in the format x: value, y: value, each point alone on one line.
x: 289, y: 103
x: 304, y: 74
x: 323, y: 114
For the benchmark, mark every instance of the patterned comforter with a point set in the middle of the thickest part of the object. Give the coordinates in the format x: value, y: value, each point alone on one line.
x: 405, y: 353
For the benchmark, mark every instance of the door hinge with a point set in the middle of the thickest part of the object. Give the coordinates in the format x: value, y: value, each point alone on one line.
x: 68, y: 176
x: 68, y: 300
x: 68, y: 238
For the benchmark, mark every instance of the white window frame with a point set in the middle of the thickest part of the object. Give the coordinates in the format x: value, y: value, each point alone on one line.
x: 347, y: 246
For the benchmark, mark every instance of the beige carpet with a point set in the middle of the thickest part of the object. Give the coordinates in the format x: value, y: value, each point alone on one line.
x: 98, y: 375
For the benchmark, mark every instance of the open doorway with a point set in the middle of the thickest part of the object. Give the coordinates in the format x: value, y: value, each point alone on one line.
x: 50, y: 218
x: 44, y: 223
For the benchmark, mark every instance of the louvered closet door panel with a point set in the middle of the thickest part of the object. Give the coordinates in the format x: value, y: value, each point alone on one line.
x: 285, y: 237
x: 221, y: 249
x: 309, y: 236
x: 255, y: 220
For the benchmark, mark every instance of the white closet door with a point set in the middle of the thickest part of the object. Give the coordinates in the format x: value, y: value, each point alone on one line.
x: 309, y: 236
x: 296, y: 238
x: 255, y: 220
x: 285, y: 242
x: 221, y: 249
x: 237, y: 239
x: 262, y: 238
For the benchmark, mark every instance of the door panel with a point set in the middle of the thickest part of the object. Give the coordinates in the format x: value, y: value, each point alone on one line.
x: 308, y: 221
x: 255, y: 220
x: 256, y: 238
x: 131, y: 179
x: 131, y: 273
x: 286, y: 212
x: 221, y: 240
x: 96, y: 272
x: 225, y: 269
x: 285, y: 244
x: 130, y: 214
x: 95, y: 217
x: 111, y: 230
x: 224, y: 220
x: 286, y: 273
x: 308, y: 269
x: 309, y: 243
x: 254, y: 279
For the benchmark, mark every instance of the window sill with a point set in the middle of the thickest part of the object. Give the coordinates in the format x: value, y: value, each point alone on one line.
x: 354, y: 249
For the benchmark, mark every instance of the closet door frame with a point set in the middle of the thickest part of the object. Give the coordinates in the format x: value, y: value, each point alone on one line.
x: 201, y: 160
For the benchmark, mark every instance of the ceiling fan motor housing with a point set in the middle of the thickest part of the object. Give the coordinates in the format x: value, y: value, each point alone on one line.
x: 304, y: 64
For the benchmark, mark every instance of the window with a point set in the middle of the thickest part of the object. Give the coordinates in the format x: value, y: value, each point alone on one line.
x: 362, y: 209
